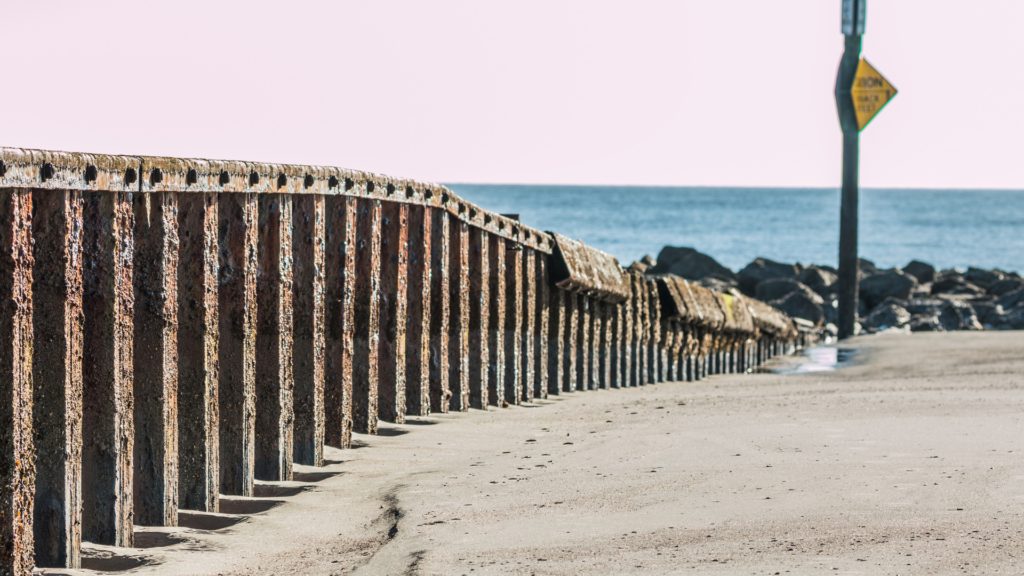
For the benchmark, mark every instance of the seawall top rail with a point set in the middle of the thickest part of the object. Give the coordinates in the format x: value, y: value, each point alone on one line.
x: 47, y: 169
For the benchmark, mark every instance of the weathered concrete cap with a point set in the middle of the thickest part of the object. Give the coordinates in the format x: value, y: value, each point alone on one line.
x: 577, y: 267
x: 738, y: 318
x: 770, y: 321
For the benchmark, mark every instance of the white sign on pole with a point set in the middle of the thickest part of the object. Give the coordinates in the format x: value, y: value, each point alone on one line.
x: 854, y: 14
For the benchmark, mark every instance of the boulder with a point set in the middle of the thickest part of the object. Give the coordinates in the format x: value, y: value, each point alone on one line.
x: 889, y: 315
x: 889, y: 284
x: 781, y: 287
x: 1011, y: 299
x: 983, y: 278
x: 690, y: 264
x: 926, y: 323
x: 762, y: 269
x: 1010, y: 320
x: 830, y: 307
x: 639, y: 266
x: 649, y: 260
x: 955, y: 284
x: 922, y: 271
x: 918, y: 306
x: 716, y: 284
x: 801, y: 305
x: 866, y: 267
x: 1004, y: 286
x: 818, y: 279
x: 957, y: 315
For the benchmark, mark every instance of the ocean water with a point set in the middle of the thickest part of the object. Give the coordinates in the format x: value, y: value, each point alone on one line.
x: 946, y: 228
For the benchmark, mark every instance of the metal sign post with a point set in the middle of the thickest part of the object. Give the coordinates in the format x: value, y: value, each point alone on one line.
x: 861, y: 93
x: 854, y: 14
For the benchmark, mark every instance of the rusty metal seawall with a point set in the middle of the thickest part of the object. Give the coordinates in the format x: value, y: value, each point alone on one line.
x: 174, y: 329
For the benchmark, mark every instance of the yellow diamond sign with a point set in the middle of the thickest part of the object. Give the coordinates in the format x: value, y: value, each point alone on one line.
x: 870, y: 92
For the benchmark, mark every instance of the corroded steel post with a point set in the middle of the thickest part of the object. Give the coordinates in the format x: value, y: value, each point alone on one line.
x: 107, y: 426
x: 479, y: 316
x: 604, y: 375
x: 339, y: 298
x: 417, y: 335
x: 636, y: 338
x: 627, y: 336
x: 156, y: 359
x: 198, y: 408
x: 274, y: 339
x: 236, y: 345
x: 656, y: 356
x: 557, y: 321
x: 529, y: 314
x: 394, y: 261
x: 366, y: 316
x: 496, y: 338
x: 616, y: 354
x: 583, y: 343
x: 309, y: 328
x: 458, y: 345
x: 593, y: 336
x: 17, y: 466
x: 667, y: 357
x: 513, y: 321
x: 540, y: 327
x: 56, y: 375
x: 645, y: 332
x: 569, y: 346
x: 440, y: 302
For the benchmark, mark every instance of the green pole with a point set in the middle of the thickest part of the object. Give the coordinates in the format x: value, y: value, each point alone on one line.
x: 853, y: 28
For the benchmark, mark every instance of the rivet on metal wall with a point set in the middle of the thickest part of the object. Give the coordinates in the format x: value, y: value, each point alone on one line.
x: 332, y: 182
x: 47, y: 172
x: 191, y: 177
x: 254, y: 178
x: 349, y: 184
x: 369, y: 186
x: 130, y: 176
x: 90, y: 173
x: 282, y: 180
x: 308, y: 182
x: 224, y: 177
x: 391, y: 188
x: 156, y: 176
x: 409, y: 192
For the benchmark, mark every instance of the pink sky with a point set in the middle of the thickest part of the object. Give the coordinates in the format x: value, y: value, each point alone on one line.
x: 667, y: 92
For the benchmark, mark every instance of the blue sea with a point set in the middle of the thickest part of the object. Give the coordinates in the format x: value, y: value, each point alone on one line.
x: 946, y: 228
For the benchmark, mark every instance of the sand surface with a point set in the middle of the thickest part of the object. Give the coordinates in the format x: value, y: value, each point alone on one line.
x: 908, y: 462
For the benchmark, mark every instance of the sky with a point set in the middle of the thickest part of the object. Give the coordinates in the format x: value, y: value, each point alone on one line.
x: 634, y: 92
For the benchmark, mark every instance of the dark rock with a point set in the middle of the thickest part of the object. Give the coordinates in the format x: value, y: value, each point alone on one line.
x: 922, y: 271
x: 1010, y: 320
x: 926, y: 323
x: 800, y: 304
x: 955, y: 284
x: 830, y: 308
x: 716, y: 284
x: 690, y: 264
x: 889, y: 315
x: 983, y: 278
x: 866, y: 267
x: 988, y: 313
x: 1004, y: 286
x: 818, y: 279
x: 1011, y: 299
x: 638, y: 266
x: 762, y: 269
x: 957, y: 315
x: 922, y: 291
x: 782, y: 287
x: 889, y: 284
x: 828, y: 269
x: 918, y: 306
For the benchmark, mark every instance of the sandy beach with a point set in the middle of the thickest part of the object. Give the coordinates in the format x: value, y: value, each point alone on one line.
x: 907, y: 462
